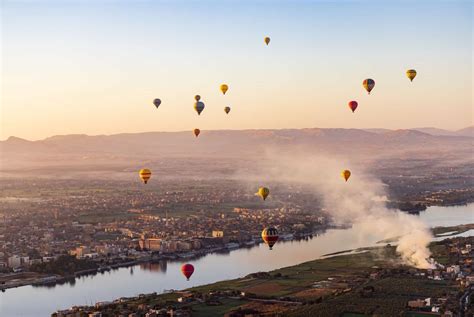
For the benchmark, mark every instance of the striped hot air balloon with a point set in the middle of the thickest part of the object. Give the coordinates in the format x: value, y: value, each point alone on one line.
x: 270, y: 236
x: 145, y: 174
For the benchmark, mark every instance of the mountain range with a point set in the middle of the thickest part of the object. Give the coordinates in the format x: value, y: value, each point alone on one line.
x: 134, y: 149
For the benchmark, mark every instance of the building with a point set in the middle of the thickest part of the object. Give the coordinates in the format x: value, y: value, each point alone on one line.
x: 14, y: 261
x: 151, y: 244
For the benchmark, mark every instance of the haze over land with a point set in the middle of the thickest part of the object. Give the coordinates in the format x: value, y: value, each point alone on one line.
x: 129, y: 152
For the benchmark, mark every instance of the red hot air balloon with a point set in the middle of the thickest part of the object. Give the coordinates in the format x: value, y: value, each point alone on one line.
x: 353, y: 105
x: 187, y: 270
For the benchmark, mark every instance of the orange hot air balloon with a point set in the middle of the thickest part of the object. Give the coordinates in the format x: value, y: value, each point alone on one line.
x: 353, y: 105
x: 346, y: 174
x: 145, y: 174
x: 187, y: 270
x: 196, y: 132
x: 227, y: 110
x: 267, y: 40
x: 368, y: 84
x: 270, y: 236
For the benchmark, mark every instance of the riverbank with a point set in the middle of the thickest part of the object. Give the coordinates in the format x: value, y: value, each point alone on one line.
x: 370, y: 282
x: 165, y: 275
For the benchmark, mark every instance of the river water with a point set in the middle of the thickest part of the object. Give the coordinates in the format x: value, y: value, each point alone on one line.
x: 149, y: 278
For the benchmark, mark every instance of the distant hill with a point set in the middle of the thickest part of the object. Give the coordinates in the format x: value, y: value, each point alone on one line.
x: 135, y: 148
x: 469, y: 131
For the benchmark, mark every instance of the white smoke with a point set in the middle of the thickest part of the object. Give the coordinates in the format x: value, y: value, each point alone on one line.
x: 360, y: 201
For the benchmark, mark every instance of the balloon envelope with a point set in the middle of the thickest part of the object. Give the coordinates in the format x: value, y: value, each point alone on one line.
x: 263, y: 192
x: 267, y: 40
x: 353, y: 105
x: 270, y: 236
x: 144, y: 174
x: 187, y: 270
x: 199, y: 107
x: 197, y: 97
x: 346, y: 174
x: 196, y: 132
x: 368, y: 84
x: 157, y: 102
x: 227, y: 109
x: 411, y: 74
x: 224, y: 88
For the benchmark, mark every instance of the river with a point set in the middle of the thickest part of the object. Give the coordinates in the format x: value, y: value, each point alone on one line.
x: 149, y: 278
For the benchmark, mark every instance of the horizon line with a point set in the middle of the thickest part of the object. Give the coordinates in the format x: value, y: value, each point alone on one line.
x: 255, y: 129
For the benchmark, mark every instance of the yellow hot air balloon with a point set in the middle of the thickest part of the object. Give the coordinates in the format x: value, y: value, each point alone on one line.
x: 145, y: 174
x: 227, y: 109
x: 263, y: 192
x: 224, y: 88
x: 411, y: 74
x: 270, y: 236
x: 196, y: 132
x: 267, y: 40
x: 346, y: 174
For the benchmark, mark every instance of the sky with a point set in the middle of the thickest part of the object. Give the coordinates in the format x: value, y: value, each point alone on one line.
x: 94, y: 67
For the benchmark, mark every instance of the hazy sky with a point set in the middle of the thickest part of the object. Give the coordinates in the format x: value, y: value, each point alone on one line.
x: 95, y: 66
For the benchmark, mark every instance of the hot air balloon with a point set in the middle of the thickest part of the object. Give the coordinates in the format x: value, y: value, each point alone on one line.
x: 411, y: 74
x: 145, y: 174
x: 267, y: 40
x: 196, y: 132
x: 263, y: 192
x: 353, y: 105
x: 199, y: 106
x: 270, y: 236
x: 346, y: 174
x: 227, y: 109
x: 197, y: 97
x: 368, y: 84
x: 187, y: 270
x: 157, y: 102
x: 224, y: 88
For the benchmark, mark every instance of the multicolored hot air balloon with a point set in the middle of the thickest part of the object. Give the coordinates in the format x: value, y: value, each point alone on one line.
x: 196, y: 132
x: 346, y: 174
x: 157, y: 102
x: 267, y: 40
x: 227, y: 110
x: 411, y: 74
x: 187, y: 270
x: 197, y: 97
x: 270, y: 236
x: 353, y: 105
x: 224, y: 88
x: 263, y: 192
x: 145, y: 174
x: 199, y: 106
x: 368, y: 84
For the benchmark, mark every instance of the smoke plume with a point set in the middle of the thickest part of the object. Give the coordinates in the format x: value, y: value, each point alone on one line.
x: 360, y: 201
